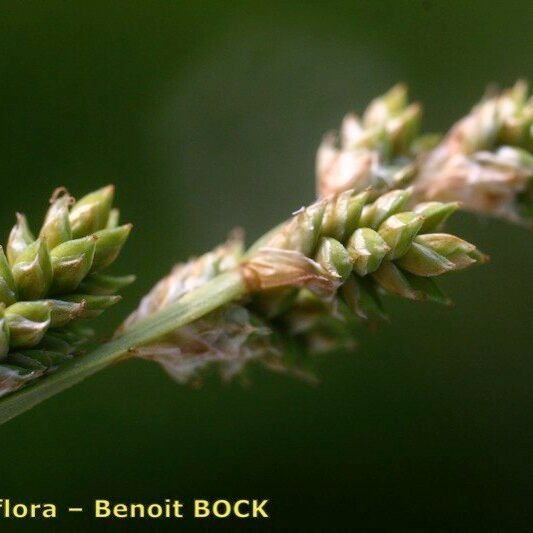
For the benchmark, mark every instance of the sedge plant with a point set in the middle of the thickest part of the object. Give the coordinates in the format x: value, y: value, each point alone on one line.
x: 385, y: 192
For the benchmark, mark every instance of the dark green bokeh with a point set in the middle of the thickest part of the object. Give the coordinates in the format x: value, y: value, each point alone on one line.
x: 207, y: 115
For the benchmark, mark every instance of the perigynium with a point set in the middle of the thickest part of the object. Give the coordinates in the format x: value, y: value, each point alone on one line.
x: 304, y: 287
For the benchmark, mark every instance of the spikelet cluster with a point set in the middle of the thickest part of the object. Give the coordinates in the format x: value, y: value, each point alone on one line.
x: 486, y: 160
x: 377, y: 150
x: 50, y: 282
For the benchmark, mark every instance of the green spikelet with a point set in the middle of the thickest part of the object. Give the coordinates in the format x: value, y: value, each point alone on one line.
x: 47, y: 285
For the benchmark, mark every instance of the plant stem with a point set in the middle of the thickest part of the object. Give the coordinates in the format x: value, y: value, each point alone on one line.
x: 219, y: 291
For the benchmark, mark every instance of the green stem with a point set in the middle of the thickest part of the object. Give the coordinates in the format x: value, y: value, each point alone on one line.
x: 219, y: 291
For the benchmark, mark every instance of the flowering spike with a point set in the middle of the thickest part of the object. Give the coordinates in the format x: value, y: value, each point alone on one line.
x: 51, y: 275
x: 308, y: 279
x: 56, y: 227
x: 91, y: 213
x: 485, y: 161
x: 32, y: 271
x: 378, y: 151
x: 399, y: 241
x: 19, y: 238
x: 318, y: 270
x: 71, y: 262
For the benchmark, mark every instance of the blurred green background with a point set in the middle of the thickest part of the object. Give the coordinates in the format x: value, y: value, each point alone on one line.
x: 207, y: 115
